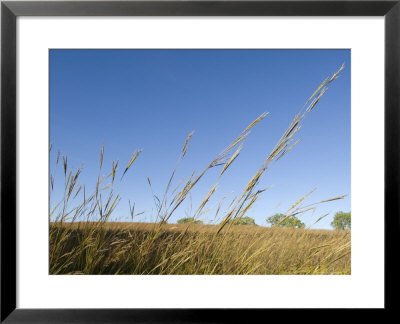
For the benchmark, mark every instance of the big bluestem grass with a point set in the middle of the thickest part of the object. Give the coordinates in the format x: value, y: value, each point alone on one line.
x: 83, y: 240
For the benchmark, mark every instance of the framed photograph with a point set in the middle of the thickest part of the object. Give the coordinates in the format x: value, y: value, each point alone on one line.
x: 197, y: 161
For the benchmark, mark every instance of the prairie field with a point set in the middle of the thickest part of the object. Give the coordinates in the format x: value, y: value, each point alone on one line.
x: 85, y: 237
x: 143, y: 248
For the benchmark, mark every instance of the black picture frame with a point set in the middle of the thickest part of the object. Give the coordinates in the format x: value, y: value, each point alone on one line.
x: 10, y: 10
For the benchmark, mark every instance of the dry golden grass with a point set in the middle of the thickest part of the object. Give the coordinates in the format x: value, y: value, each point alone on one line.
x: 83, y: 240
x: 143, y: 248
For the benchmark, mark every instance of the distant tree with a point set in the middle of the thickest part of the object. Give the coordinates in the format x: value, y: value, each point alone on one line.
x: 188, y: 220
x: 242, y: 221
x: 341, y: 221
x: 280, y: 221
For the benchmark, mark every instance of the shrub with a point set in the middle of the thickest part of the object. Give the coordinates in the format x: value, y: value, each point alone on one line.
x: 281, y: 220
x: 189, y: 220
x: 243, y: 221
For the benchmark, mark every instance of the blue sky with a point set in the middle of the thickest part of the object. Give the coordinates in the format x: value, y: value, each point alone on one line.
x: 152, y: 99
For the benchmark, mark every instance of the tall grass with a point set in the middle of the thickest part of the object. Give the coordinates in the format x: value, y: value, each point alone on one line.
x: 83, y: 240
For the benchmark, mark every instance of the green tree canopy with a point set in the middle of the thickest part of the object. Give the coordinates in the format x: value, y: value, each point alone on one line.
x: 188, y: 220
x: 341, y: 221
x: 293, y: 221
x: 242, y: 221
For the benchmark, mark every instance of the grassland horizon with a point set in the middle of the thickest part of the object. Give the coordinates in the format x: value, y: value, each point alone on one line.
x: 84, y: 240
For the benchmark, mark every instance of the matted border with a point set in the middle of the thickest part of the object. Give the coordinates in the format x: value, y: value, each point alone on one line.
x: 10, y: 10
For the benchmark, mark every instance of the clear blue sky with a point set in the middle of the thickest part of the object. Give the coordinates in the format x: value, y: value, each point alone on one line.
x: 151, y: 100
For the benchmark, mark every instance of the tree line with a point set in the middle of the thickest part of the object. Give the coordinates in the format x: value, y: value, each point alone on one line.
x: 341, y: 221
